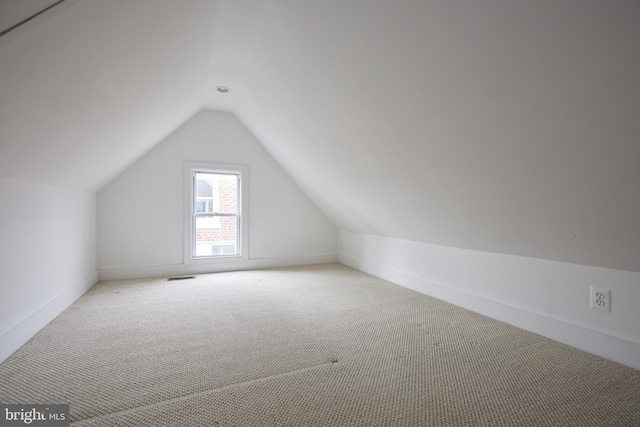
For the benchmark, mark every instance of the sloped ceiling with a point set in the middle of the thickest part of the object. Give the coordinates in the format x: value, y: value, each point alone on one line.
x: 497, y: 125
x: 91, y: 86
x: 15, y: 12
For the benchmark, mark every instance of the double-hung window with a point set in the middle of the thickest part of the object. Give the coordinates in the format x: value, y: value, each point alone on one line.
x: 216, y: 206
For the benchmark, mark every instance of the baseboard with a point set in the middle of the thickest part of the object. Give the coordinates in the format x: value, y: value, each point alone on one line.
x: 604, y: 345
x: 182, y: 269
x: 18, y: 335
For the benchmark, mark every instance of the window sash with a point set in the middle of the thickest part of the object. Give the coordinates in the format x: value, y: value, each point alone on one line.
x: 196, y: 214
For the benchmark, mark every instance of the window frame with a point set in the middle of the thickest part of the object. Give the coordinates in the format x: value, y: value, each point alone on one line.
x: 190, y: 168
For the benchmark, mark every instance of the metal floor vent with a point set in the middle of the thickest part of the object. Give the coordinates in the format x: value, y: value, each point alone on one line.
x: 180, y: 278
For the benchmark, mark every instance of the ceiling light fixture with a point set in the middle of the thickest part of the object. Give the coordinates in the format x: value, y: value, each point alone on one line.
x: 222, y: 89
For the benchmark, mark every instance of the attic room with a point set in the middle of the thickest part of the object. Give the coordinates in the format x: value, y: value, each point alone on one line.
x: 434, y: 211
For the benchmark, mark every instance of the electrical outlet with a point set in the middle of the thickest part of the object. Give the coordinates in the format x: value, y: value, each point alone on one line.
x: 600, y: 299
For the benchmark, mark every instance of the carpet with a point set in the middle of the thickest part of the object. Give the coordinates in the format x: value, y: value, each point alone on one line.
x: 314, y: 345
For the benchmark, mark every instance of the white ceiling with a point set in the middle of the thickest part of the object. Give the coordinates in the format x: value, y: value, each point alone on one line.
x: 498, y: 125
x: 86, y: 91
x: 13, y: 12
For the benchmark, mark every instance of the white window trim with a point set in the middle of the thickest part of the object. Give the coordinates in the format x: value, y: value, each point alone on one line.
x: 243, y: 170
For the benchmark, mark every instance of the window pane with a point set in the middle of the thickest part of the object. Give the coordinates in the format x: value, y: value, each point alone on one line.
x: 213, y: 224
x: 216, y: 193
x: 216, y: 236
x: 204, y: 192
x: 227, y: 194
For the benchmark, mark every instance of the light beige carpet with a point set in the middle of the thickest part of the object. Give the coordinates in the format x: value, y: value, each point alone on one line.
x: 320, y: 345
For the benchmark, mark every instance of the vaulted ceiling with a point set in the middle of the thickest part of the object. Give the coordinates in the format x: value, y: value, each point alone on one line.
x: 497, y: 125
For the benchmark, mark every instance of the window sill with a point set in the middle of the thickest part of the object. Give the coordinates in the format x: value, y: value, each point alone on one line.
x: 217, y: 260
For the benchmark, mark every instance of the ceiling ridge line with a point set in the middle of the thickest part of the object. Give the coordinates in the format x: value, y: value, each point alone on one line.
x: 24, y: 21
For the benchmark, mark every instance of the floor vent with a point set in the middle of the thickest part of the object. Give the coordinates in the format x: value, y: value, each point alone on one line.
x: 180, y: 278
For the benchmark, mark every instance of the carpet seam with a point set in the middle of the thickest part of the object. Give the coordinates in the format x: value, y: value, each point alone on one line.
x: 210, y: 390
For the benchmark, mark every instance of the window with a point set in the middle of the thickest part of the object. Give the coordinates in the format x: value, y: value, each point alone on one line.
x: 216, y: 205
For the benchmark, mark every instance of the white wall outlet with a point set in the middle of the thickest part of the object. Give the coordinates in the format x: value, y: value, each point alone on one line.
x: 600, y: 299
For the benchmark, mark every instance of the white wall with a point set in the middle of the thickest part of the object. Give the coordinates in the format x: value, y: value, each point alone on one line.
x: 140, y: 213
x: 501, y: 126
x: 47, y: 256
x: 547, y: 297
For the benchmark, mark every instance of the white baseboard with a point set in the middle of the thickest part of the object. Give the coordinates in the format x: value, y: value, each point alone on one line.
x: 182, y: 269
x: 609, y: 346
x: 18, y: 335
